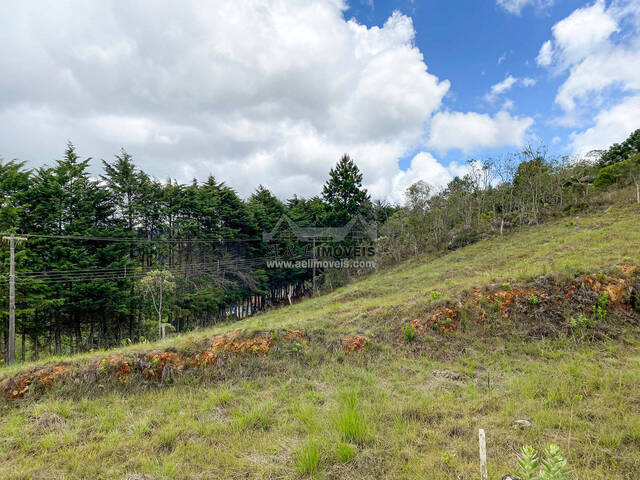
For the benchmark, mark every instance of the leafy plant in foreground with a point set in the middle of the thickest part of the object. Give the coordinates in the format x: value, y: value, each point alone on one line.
x: 553, y: 466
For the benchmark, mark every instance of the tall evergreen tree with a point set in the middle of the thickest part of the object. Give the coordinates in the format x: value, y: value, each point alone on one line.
x: 343, y: 192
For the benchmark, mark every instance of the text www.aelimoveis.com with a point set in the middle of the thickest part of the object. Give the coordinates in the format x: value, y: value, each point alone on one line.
x: 309, y: 263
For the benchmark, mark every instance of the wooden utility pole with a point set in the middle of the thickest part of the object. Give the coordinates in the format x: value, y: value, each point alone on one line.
x: 314, y: 267
x: 11, y: 347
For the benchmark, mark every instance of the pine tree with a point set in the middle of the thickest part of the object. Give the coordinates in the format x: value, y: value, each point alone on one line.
x: 344, y: 193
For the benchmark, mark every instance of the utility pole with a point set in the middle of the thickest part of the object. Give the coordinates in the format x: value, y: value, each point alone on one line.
x: 314, y: 267
x: 11, y: 353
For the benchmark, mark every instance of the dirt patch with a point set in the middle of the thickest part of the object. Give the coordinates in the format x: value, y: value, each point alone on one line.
x: 47, y: 421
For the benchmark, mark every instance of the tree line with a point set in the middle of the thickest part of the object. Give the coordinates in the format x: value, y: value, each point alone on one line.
x: 116, y: 259
x: 119, y: 258
x: 497, y: 194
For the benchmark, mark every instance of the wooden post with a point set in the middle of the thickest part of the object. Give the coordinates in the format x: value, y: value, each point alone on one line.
x: 483, y: 455
x: 11, y: 344
x: 314, y: 267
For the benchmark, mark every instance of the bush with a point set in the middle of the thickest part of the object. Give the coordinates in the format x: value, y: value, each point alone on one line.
x: 600, y: 308
x: 409, y: 332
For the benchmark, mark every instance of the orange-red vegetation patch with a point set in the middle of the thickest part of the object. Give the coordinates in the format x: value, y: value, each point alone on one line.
x: 297, y: 336
x: 47, y: 378
x: 628, y: 269
x: 19, y: 386
x: 506, y: 300
x: 355, y: 344
x: 615, y: 289
x: 230, y: 343
x: 443, y: 319
x: 159, y: 361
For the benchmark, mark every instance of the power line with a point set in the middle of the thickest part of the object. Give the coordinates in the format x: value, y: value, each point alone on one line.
x: 225, y: 265
x: 140, y: 240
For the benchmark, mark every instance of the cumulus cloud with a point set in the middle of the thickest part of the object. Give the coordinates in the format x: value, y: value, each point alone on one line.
x: 468, y: 131
x: 516, y: 6
x: 253, y: 92
x: 611, y: 126
x: 545, y: 55
x: 583, y: 45
x: 597, y: 47
x: 506, y: 85
x: 426, y: 168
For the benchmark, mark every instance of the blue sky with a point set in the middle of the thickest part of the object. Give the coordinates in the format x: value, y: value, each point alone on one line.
x: 273, y: 92
x: 477, y: 44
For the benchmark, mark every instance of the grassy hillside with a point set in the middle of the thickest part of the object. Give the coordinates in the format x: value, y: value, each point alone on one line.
x: 389, y: 377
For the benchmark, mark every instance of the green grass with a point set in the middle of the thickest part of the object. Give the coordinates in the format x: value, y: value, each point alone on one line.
x: 308, y: 457
x: 380, y: 413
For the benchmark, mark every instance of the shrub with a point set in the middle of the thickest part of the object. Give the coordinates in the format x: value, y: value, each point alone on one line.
x: 581, y: 322
x: 409, y: 332
x: 600, y: 308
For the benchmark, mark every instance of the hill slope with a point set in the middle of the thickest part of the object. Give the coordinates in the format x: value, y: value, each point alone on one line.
x: 389, y: 377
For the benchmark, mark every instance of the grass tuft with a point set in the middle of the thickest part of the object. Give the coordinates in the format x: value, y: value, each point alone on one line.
x: 308, y: 457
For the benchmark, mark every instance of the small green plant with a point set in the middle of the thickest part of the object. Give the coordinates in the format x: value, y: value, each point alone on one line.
x: 448, y: 458
x: 345, y: 451
x: 506, y: 286
x: 308, y: 457
x: 533, y: 300
x: 409, y: 332
x: 600, y: 308
x: 435, y: 295
x: 553, y: 466
x: 154, y: 364
x: 581, y: 323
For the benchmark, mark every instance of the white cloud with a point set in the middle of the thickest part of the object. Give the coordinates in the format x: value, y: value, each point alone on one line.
x: 259, y: 91
x: 426, y: 168
x: 545, y: 55
x: 506, y: 85
x: 598, y: 48
x: 508, y: 104
x: 583, y: 46
x: 611, y: 126
x: 583, y: 32
x: 469, y: 131
x: 516, y: 6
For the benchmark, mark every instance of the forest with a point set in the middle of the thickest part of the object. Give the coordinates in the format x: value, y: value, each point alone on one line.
x: 122, y: 257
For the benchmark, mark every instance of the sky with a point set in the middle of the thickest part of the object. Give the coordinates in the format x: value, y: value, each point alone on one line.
x: 273, y: 92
